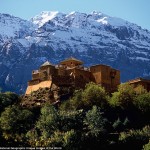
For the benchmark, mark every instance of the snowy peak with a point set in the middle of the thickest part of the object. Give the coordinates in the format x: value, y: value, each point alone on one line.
x: 82, y: 27
x: 75, y: 19
x: 44, y: 17
x: 13, y: 26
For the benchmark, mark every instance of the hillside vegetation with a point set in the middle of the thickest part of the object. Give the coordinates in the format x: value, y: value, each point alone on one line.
x: 90, y: 119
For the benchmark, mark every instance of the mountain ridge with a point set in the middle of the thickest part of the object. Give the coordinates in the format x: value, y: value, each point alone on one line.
x: 94, y: 38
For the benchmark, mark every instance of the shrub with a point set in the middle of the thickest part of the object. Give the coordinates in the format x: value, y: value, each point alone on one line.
x: 142, y: 102
x: 15, y: 122
x: 7, y: 99
x: 94, y: 95
x: 135, y: 139
x: 147, y: 146
x: 140, y: 90
x: 74, y: 103
x: 71, y: 120
x: 126, y: 122
x: 118, y: 125
x: 84, y: 99
x: 124, y: 97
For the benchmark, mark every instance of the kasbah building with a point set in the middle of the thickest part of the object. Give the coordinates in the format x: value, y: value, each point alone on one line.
x: 72, y: 73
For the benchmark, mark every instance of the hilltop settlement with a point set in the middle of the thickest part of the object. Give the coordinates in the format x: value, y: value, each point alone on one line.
x: 56, y: 82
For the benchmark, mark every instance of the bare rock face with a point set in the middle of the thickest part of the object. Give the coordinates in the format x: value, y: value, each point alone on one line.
x: 53, y: 95
x: 38, y: 98
x: 94, y: 38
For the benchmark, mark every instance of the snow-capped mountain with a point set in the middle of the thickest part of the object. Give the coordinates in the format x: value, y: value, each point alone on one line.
x: 95, y: 38
x: 14, y: 27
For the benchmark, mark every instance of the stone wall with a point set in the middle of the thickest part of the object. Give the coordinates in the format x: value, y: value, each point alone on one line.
x: 35, y: 87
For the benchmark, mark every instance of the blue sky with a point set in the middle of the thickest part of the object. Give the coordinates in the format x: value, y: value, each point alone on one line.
x: 135, y: 11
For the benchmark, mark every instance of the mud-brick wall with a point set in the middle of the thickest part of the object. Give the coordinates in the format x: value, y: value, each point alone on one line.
x: 102, y: 75
x: 35, y: 76
x: 35, y: 87
x: 116, y: 80
x: 84, y: 75
x: 62, y: 80
x: 80, y: 82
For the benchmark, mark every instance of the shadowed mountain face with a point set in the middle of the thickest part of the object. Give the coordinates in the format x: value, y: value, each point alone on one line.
x: 93, y: 38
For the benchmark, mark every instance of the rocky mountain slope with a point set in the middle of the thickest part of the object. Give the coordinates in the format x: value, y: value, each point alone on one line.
x: 94, y: 38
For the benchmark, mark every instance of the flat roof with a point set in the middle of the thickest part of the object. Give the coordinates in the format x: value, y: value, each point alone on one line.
x: 71, y: 59
x: 138, y: 80
x: 103, y: 65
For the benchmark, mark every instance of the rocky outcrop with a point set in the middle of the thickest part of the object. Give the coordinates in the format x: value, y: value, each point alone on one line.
x: 53, y: 95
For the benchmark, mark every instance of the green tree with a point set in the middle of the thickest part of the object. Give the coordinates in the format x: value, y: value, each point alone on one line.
x: 48, y: 121
x: 118, y: 125
x: 7, y: 98
x: 126, y: 122
x: 95, y: 121
x: 124, y: 97
x: 94, y: 95
x: 142, y: 102
x: 32, y: 137
x: 67, y: 140
x: 71, y: 120
x: 15, y: 122
x: 95, y: 130
x: 74, y: 103
x: 135, y: 139
x: 56, y: 128
x: 70, y: 140
x: 140, y: 90
x: 147, y: 146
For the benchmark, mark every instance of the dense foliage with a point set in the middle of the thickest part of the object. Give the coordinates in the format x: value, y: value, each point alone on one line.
x: 90, y: 119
